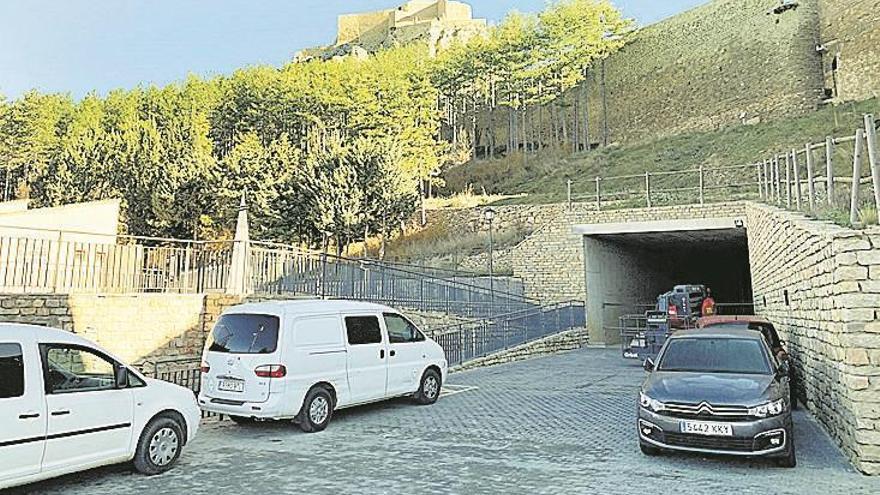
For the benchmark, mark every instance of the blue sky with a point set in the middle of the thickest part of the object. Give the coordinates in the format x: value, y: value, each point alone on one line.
x: 77, y: 46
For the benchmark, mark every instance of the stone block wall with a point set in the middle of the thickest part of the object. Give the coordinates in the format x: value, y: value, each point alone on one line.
x: 850, y: 32
x: 44, y: 310
x: 721, y: 64
x: 144, y: 328
x: 820, y: 284
x: 550, y: 262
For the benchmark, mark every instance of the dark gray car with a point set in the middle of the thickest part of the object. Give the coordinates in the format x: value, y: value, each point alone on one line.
x: 717, y: 391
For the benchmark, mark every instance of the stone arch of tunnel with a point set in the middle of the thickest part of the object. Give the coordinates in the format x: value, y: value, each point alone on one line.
x: 628, y: 265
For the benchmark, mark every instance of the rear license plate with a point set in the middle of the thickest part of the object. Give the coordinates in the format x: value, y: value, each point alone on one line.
x: 707, y: 428
x: 230, y: 385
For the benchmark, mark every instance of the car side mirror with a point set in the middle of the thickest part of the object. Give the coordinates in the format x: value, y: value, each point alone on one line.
x: 121, y: 376
x: 649, y: 365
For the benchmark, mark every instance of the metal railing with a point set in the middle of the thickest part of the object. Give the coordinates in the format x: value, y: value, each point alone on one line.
x: 688, y: 186
x: 801, y: 178
x: 806, y: 178
x: 465, y: 342
x: 59, y: 264
x: 295, y: 272
x: 185, y: 371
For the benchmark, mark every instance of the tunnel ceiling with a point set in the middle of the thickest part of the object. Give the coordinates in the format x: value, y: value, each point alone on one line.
x: 690, y: 238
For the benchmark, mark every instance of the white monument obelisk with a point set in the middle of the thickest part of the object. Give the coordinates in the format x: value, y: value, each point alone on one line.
x: 239, y: 269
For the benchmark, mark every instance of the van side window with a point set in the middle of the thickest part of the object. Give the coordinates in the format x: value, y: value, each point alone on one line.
x: 400, y: 330
x: 363, y: 330
x: 12, y: 371
x: 71, y: 368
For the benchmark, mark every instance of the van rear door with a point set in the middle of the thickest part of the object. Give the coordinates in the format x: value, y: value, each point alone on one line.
x: 243, y: 356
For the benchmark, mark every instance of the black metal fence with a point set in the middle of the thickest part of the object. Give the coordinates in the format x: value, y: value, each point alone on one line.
x: 461, y: 342
x: 326, y: 276
x: 464, y: 342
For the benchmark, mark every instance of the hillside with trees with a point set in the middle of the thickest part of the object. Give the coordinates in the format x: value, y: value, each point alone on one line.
x: 326, y: 151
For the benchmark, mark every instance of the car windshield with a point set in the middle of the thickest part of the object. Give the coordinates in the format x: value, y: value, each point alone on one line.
x: 245, y: 334
x: 715, y: 355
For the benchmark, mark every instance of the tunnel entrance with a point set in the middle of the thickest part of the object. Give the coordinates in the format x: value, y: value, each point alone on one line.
x: 628, y: 265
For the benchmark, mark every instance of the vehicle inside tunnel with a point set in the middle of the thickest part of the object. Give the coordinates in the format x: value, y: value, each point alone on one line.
x: 627, y: 270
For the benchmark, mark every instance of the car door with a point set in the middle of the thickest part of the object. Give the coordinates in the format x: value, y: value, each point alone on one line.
x: 90, y: 420
x: 406, y: 354
x: 367, y: 357
x: 22, y: 411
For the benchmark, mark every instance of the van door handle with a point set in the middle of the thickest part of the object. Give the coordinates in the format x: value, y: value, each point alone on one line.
x: 28, y: 415
x: 381, y: 353
x: 60, y: 413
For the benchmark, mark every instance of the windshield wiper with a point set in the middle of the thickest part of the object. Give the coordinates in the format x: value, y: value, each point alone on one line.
x: 254, y: 341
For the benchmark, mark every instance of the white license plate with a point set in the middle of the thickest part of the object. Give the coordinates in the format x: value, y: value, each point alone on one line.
x: 230, y: 385
x: 707, y: 428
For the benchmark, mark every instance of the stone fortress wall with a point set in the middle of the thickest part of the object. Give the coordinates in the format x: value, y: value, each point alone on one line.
x: 850, y: 31
x: 722, y: 64
x: 436, y: 22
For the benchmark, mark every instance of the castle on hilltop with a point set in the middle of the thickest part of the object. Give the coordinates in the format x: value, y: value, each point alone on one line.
x: 437, y: 22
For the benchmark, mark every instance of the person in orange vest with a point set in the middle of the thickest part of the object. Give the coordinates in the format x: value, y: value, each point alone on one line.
x: 708, y: 308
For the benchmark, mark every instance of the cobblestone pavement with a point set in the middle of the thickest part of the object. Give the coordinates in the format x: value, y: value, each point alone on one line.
x: 560, y: 424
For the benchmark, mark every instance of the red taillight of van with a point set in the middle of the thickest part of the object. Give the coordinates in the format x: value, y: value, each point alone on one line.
x: 673, y: 310
x: 205, y: 368
x: 271, y: 371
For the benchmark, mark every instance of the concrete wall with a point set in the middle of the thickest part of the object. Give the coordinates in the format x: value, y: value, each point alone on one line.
x: 820, y: 284
x: 850, y: 32
x: 96, y: 221
x: 618, y: 276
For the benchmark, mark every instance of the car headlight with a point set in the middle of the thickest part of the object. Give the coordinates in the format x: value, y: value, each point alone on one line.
x: 774, y: 408
x: 650, y: 404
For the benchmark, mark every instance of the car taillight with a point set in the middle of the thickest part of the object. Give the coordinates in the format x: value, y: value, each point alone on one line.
x: 271, y: 371
x: 205, y: 367
x: 673, y: 309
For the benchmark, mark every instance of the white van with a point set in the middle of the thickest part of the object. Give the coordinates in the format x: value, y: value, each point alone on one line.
x: 67, y: 405
x: 303, y: 359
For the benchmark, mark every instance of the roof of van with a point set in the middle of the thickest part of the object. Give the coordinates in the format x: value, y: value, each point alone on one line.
x: 41, y: 334
x: 307, y: 306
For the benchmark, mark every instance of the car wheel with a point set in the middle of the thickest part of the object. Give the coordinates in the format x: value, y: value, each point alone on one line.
x: 429, y: 389
x: 790, y: 460
x: 316, y: 411
x: 159, y: 446
x: 648, y: 450
x: 242, y: 420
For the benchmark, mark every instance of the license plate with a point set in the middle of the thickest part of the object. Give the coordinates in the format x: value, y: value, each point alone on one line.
x: 230, y: 385
x: 707, y: 428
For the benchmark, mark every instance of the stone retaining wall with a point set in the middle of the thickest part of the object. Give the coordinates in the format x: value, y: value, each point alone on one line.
x: 820, y: 284
x: 550, y: 262
x: 142, y: 328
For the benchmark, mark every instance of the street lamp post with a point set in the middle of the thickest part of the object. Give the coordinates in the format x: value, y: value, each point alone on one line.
x: 489, y: 215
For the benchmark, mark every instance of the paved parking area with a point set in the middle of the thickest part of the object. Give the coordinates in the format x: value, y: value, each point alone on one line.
x: 560, y: 424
